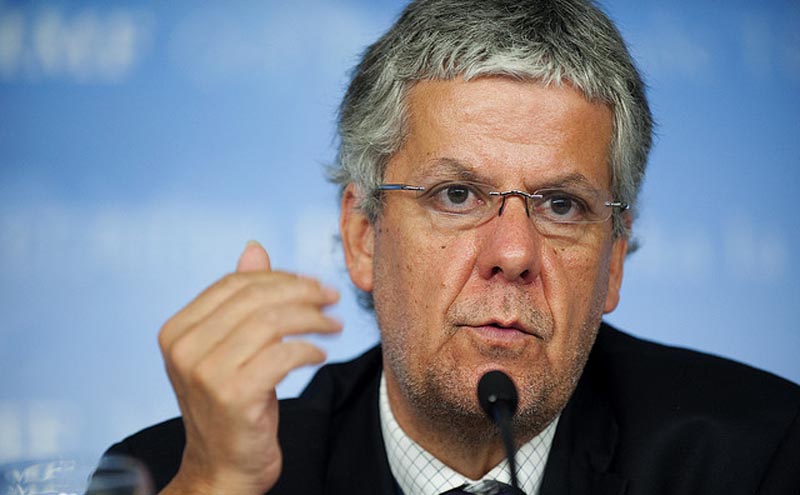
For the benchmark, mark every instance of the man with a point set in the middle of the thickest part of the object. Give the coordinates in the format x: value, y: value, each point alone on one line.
x: 491, y: 154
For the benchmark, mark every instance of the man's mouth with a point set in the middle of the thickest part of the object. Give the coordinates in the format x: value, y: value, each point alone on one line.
x: 505, y: 329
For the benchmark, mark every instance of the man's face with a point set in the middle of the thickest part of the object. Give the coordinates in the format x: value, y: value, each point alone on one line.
x: 453, y: 304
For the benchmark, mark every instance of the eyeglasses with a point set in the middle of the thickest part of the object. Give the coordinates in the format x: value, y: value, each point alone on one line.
x: 557, y: 212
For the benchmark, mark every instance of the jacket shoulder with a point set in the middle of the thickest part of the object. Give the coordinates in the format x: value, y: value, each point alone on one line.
x: 660, y: 375
x: 709, y: 417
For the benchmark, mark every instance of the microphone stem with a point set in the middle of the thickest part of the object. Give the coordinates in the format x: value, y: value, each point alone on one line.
x: 503, y: 420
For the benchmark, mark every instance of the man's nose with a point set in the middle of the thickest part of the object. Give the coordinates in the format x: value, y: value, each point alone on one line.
x: 511, y: 245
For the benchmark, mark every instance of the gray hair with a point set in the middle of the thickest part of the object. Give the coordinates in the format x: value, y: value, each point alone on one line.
x: 551, y: 42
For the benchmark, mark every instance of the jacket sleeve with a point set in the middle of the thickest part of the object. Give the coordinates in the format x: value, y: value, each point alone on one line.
x: 158, y: 448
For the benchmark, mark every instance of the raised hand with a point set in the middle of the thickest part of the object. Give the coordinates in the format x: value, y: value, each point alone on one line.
x: 225, y: 353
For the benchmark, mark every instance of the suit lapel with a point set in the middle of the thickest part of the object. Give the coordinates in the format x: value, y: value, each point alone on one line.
x: 331, y: 437
x: 585, y: 440
x: 357, y: 456
x: 358, y: 463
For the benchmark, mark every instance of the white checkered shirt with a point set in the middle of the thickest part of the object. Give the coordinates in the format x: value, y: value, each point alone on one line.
x: 418, y: 472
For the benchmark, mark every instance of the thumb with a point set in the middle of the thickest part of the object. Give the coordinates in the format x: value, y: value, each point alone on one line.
x: 254, y: 258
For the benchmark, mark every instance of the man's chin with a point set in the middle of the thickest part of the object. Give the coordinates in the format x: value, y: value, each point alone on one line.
x: 521, y: 362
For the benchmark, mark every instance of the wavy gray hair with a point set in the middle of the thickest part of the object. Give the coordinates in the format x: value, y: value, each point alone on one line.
x: 551, y: 42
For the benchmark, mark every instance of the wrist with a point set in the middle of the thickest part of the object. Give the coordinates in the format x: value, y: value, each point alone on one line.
x: 187, y: 483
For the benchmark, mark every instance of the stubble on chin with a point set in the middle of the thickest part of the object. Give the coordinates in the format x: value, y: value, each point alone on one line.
x: 441, y: 393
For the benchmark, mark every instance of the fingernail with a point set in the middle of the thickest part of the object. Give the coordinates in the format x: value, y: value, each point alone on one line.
x: 252, y: 242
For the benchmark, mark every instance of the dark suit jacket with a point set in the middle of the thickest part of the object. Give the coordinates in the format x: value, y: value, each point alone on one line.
x: 645, y: 419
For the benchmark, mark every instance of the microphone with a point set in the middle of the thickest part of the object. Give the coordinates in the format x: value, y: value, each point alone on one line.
x: 497, y: 396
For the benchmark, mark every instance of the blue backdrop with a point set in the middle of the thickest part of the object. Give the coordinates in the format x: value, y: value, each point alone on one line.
x: 141, y: 146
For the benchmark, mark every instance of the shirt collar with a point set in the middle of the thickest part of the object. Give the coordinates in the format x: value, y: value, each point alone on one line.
x: 418, y: 472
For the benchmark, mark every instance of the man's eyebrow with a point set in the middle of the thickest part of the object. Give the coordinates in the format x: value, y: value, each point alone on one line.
x: 570, y: 180
x: 451, y: 168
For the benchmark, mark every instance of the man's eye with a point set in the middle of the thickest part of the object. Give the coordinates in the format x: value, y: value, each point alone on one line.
x: 457, y: 194
x: 456, y: 198
x: 561, y: 207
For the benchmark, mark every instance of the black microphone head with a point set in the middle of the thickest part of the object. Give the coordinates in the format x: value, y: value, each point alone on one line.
x: 496, y: 387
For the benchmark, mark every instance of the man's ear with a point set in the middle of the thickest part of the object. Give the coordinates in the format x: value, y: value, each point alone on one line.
x: 358, y: 239
x: 618, y: 253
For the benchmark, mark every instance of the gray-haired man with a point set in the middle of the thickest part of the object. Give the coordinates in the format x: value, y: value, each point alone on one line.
x: 491, y: 155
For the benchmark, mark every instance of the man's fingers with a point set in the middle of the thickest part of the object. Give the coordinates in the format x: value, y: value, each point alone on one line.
x: 263, y: 329
x: 254, y: 258
x: 270, y: 366
x: 252, y: 380
x: 208, y: 319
